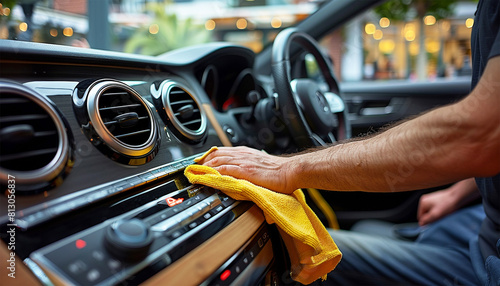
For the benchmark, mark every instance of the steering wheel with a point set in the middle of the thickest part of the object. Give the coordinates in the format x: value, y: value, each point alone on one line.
x: 313, y: 115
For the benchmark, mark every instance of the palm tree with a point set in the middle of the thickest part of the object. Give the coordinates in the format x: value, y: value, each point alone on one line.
x: 165, y: 33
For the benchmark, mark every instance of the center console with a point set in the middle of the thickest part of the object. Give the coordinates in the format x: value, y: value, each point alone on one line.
x: 138, y: 228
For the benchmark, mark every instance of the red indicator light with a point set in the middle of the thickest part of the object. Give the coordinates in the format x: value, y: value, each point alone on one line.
x: 225, y: 274
x: 80, y: 243
x: 227, y: 104
x: 172, y: 202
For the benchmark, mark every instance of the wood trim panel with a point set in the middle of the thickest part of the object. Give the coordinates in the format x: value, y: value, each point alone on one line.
x: 222, y: 135
x: 199, y: 264
x: 23, y: 275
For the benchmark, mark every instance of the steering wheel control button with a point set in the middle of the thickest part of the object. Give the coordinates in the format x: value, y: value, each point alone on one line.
x: 335, y: 102
x: 129, y: 240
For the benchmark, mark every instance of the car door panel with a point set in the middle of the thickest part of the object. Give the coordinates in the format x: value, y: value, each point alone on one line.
x: 375, y: 104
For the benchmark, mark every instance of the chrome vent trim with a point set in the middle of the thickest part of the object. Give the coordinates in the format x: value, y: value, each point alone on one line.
x: 184, y: 111
x: 122, y: 118
x: 35, y: 146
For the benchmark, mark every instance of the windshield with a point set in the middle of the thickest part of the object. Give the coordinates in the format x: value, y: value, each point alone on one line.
x: 149, y: 27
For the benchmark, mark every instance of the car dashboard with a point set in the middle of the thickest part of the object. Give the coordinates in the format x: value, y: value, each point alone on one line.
x: 93, y: 149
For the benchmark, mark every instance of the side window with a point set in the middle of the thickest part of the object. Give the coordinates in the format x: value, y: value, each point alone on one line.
x: 374, y: 46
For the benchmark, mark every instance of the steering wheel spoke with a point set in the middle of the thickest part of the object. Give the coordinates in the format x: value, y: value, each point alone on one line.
x: 331, y: 137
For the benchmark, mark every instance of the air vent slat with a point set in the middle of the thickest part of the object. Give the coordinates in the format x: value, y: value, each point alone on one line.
x: 45, y: 133
x: 133, y: 133
x: 13, y: 100
x: 26, y: 155
x: 196, y: 121
x: 182, y: 102
x: 115, y: 93
x: 107, y: 123
x: 195, y: 111
x: 119, y: 107
x: 178, y: 92
x: 24, y: 117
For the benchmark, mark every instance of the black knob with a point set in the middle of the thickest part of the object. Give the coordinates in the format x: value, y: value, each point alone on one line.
x: 128, y: 239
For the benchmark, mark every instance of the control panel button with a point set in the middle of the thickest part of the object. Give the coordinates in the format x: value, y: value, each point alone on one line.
x: 129, y: 239
x: 77, y: 267
x: 114, y: 264
x: 176, y: 234
x: 97, y: 255
x: 93, y: 275
x: 225, y: 275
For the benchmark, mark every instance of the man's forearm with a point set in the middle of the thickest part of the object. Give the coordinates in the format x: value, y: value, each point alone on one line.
x: 439, y: 147
x: 464, y: 192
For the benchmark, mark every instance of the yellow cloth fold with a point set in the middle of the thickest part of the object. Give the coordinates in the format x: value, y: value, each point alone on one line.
x: 312, y: 251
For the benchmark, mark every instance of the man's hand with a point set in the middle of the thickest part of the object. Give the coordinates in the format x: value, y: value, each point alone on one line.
x: 439, y: 204
x: 434, y: 206
x: 258, y: 167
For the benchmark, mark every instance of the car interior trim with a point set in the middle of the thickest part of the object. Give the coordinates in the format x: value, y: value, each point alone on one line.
x: 205, y: 260
x: 215, y: 124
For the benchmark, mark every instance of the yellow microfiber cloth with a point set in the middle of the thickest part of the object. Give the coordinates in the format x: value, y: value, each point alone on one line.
x: 312, y: 251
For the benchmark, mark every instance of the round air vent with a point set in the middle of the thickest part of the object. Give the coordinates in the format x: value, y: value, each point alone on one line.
x: 121, y: 125
x: 182, y: 112
x: 35, y: 148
